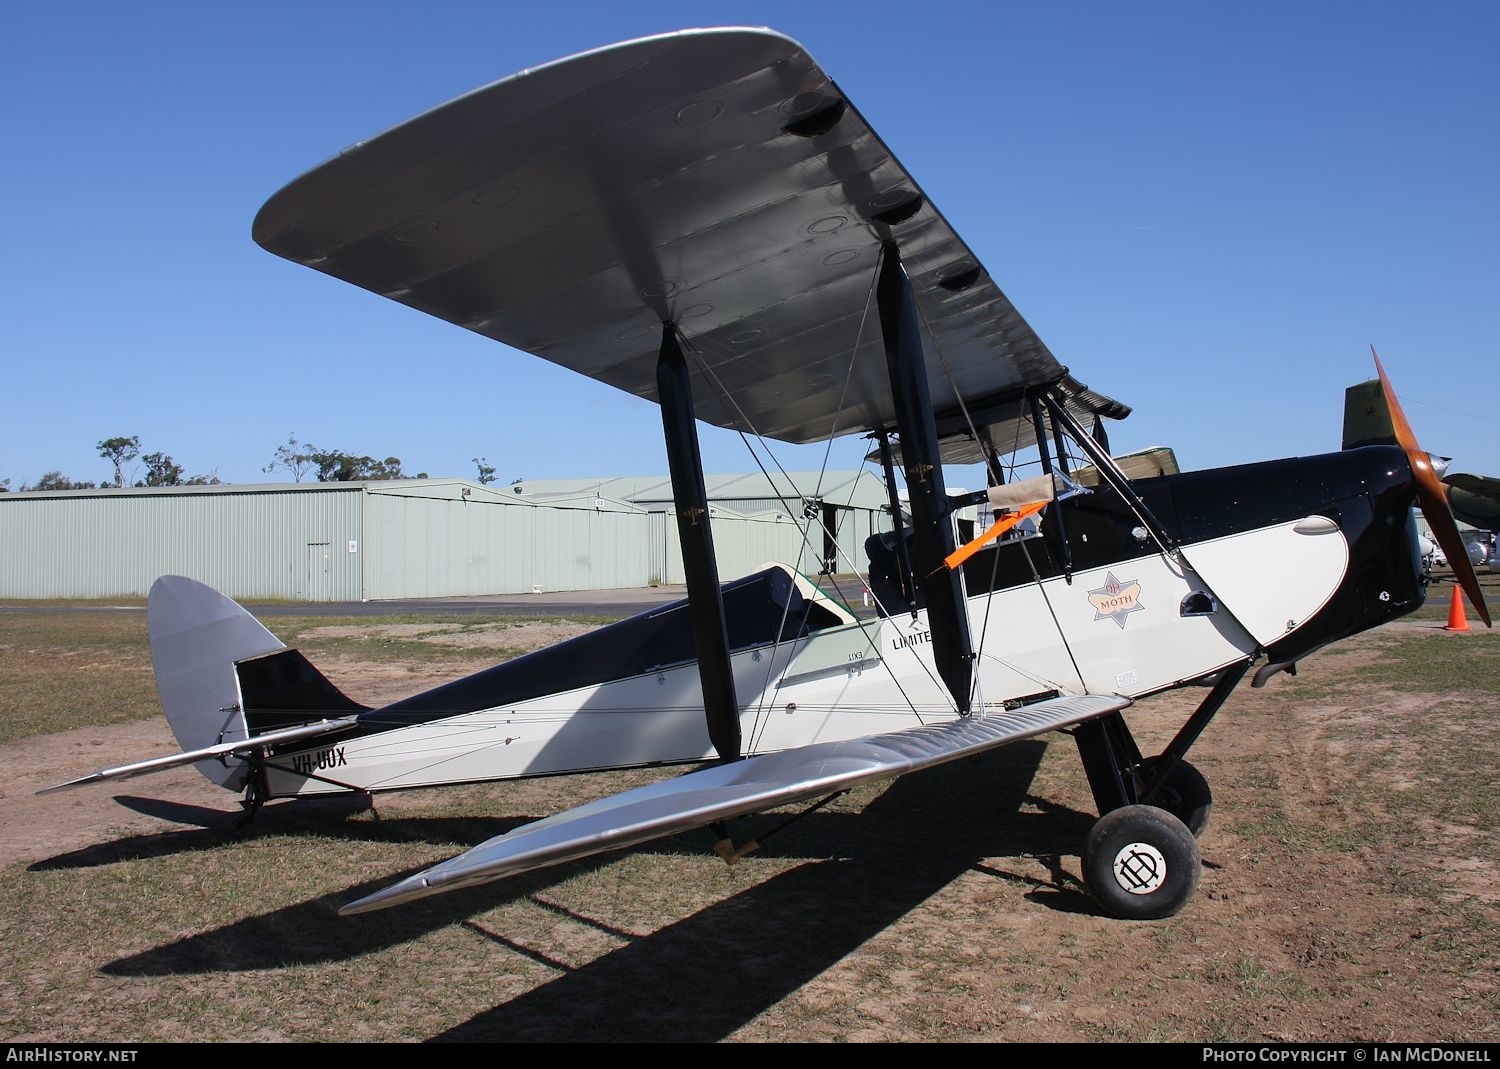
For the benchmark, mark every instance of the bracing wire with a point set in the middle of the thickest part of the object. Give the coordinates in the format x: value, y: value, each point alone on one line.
x: 727, y: 397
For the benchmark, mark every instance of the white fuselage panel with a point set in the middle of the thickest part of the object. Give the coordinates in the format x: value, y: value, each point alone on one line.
x: 1275, y: 579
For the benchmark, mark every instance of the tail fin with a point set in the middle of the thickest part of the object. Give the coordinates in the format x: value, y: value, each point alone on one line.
x: 222, y: 676
x: 1367, y: 421
x: 197, y: 634
x: 1367, y: 417
x: 228, y: 686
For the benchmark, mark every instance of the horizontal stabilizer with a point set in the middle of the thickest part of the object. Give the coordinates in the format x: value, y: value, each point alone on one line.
x: 223, y: 749
x: 731, y: 790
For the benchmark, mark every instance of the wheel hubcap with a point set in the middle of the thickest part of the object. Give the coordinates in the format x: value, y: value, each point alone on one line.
x: 1140, y: 868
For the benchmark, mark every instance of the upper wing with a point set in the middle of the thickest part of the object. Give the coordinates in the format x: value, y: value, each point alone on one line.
x: 1142, y: 464
x: 729, y: 790
x: 717, y: 179
x: 1005, y: 424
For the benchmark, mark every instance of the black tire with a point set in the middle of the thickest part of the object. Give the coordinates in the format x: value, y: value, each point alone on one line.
x: 1141, y: 863
x: 1185, y: 795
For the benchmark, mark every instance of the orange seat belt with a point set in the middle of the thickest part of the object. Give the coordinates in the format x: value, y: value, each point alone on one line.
x: 1003, y: 524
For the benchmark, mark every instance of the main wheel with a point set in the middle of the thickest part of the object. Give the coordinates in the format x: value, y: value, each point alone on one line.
x: 1185, y: 795
x: 1141, y: 863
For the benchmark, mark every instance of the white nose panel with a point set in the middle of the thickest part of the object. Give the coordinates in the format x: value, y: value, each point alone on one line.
x: 1273, y: 580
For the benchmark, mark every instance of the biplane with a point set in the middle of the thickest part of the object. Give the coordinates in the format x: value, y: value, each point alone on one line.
x: 704, y: 219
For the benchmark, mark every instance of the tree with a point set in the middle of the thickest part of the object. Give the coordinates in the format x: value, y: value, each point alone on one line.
x: 211, y: 479
x: 486, y: 472
x: 389, y: 468
x: 293, y: 457
x: 161, y: 470
x: 332, y: 465
x: 56, y: 480
x: 118, y: 451
x: 4, y: 486
x: 336, y: 466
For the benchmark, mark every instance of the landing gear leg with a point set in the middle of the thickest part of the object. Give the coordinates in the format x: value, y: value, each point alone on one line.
x: 1141, y: 859
x: 1180, y: 789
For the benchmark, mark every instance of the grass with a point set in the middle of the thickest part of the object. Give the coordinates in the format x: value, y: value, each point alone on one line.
x: 69, y: 670
x: 1441, y: 687
x: 945, y: 906
x: 75, y: 669
x: 1415, y: 662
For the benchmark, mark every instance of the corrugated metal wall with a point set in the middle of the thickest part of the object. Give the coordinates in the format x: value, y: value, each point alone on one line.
x: 270, y: 544
x: 590, y: 549
x: 375, y: 541
x: 452, y: 539
x: 853, y: 528
x: 741, y: 544
x: 432, y: 545
x: 663, y: 532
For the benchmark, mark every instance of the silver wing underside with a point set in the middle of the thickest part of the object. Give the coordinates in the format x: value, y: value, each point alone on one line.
x: 730, y: 790
x: 569, y: 210
x: 1007, y: 425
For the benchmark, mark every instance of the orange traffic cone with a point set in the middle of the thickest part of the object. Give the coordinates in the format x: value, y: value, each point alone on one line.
x: 1457, y: 621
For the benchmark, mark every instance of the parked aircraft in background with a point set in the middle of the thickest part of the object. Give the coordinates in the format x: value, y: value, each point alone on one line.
x: 1473, y: 499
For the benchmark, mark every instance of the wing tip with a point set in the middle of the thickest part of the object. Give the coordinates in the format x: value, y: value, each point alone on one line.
x: 81, y: 781
x: 396, y: 894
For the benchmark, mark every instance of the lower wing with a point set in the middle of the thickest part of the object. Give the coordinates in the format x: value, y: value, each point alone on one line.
x: 730, y: 790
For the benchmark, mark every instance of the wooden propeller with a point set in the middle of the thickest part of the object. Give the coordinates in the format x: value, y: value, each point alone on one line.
x: 1432, y: 498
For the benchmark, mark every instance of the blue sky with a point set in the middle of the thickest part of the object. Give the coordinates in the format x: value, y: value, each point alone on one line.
x: 1209, y: 211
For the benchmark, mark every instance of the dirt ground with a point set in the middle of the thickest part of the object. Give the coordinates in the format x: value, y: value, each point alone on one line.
x: 1349, y: 893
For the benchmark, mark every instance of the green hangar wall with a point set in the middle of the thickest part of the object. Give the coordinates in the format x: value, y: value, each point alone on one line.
x: 368, y: 541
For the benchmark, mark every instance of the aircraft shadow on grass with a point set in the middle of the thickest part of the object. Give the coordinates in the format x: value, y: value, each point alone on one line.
x: 218, y: 827
x: 694, y: 980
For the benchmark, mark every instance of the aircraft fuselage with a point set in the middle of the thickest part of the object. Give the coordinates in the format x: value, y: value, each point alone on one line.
x: 1272, y: 560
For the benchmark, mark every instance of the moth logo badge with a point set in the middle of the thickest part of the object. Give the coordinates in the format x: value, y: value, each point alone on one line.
x: 1116, y: 600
